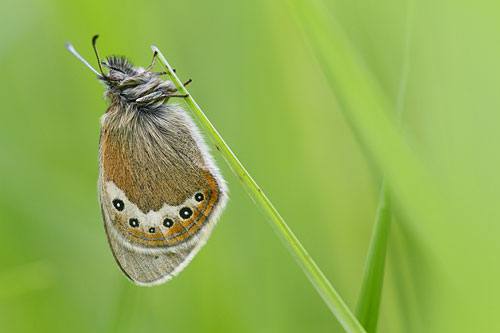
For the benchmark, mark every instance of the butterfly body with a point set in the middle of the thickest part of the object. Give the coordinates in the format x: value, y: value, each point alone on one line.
x: 159, y: 189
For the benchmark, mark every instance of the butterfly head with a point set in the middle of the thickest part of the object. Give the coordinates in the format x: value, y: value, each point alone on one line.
x: 128, y: 84
x: 119, y: 69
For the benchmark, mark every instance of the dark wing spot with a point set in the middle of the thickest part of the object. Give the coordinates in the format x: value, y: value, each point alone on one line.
x: 118, y: 204
x: 199, y: 197
x: 134, y: 223
x: 185, y: 212
x: 168, y: 223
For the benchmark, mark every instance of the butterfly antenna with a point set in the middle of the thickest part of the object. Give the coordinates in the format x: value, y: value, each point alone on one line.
x: 94, y: 40
x: 71, y: 49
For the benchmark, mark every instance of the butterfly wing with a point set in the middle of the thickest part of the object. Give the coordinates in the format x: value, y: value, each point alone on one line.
x: 160, y: 191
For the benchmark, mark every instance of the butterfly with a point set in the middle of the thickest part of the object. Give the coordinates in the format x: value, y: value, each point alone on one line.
x: 160, y: 191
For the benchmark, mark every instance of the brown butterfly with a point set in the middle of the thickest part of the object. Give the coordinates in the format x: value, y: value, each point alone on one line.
x: 160, y: 190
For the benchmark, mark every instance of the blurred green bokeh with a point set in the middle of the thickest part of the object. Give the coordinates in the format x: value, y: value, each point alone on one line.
x: 258, y: 80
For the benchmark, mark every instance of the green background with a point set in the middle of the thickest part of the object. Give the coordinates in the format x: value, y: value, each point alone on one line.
x: 259, y: 81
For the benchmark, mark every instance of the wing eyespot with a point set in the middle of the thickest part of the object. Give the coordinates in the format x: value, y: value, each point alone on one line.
x: 152, y: 230
x: 185, y: 212
x: 134, y: 223
x: 199, y: 197
x: 168, y: 223
x: 118, y: 204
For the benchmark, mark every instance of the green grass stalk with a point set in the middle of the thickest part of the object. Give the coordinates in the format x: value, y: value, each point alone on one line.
x: 367, y: 111
x: 373, y: 278
x: 369, y: 114
x: 309, y: 267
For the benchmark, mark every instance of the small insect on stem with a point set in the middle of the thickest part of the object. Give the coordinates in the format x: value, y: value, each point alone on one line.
x: 159, y: 189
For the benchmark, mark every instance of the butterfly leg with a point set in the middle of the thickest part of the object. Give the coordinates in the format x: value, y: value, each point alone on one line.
x: 163, y: 73
x: 183, y: 96
x: 152, y: 62
x: 151, y: 97
x: 157, y: 96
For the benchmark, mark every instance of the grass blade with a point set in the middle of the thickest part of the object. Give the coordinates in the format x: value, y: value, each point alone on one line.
x: 417, y: 190
x: 373, y: 278
x: 312, y: 271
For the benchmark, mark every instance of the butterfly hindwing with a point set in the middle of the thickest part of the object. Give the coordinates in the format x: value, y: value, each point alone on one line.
x: 160, y: 192
x: 151, y: 267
